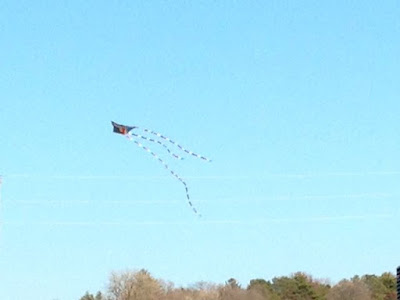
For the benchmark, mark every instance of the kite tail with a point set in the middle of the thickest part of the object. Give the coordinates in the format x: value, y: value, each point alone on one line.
x: 158, y: 142
x: 177, y: 145
x: 172, y: 173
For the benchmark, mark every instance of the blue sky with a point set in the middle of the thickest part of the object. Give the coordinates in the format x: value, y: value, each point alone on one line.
x: 296, y: 103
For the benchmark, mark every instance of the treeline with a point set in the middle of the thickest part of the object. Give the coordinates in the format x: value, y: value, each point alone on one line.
x: 141, y: 285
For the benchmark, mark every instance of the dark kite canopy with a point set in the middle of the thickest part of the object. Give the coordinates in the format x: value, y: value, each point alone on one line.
x: 121, y: 129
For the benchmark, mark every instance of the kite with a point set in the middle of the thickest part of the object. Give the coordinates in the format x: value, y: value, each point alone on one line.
x: 128, y: 131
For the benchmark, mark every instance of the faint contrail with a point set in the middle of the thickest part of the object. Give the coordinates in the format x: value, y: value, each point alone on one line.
x: 213, y: 177
x: 316, y: 219
x: 216, y: 200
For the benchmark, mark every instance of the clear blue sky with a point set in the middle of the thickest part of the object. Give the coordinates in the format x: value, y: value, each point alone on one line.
x: 296, y: 103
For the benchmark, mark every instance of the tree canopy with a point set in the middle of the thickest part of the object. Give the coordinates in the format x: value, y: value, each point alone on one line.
x: 141, y: 285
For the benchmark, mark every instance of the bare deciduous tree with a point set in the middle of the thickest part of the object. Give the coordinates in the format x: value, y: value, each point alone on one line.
x: 349, y: 290
x: 130, y: 285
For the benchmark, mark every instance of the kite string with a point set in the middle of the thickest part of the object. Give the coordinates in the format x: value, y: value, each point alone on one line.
x: 158, y: 142
x: 176, y: 144
x: 172, y: 173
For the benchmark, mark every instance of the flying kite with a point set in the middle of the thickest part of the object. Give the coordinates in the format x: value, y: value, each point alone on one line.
x: 128, y: 131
